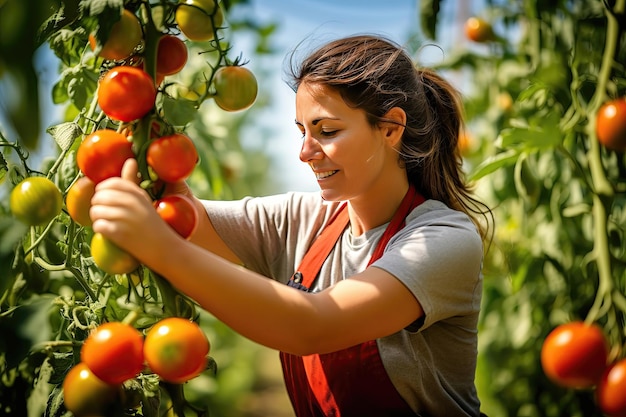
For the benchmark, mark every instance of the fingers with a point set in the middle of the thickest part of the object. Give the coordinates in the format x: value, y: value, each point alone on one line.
x: 130, y: 171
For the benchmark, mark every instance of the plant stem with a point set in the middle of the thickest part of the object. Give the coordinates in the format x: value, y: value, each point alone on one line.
x: 603, y: 191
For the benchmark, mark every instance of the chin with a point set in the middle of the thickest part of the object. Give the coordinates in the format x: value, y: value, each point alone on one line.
x: 332, y: 196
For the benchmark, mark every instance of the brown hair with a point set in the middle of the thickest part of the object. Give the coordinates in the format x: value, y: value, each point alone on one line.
x: 375, y: 74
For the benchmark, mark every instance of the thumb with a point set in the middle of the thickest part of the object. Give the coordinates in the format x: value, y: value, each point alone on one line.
x: 130, y: 171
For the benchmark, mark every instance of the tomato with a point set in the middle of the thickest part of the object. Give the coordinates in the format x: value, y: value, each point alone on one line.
x: 124, y: 37
x: 173, y: 158
x: 110, y: 257
x: 102, y: 154
x: 171, y: 55
x: 611, y: 390
x: 478, y: 30
x: 235, y: 88
x: 574, y: 354
x: 465, y: 143
x: 194, y: 19
x: 78, y: 200
x: 179, y: 212
x: 611, y: 124
x: 176, y: 349
x: 113, y: 352
x: 126, y: 93
x: 35, y: 201
x: 86, y: 395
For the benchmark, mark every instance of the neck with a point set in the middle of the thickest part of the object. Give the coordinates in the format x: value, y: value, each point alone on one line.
x: 369, y: 212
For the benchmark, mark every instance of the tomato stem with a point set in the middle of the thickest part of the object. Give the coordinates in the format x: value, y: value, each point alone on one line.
x: 603, y: 191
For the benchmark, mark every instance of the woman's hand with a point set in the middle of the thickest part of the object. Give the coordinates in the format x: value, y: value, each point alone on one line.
x: 124, y: 213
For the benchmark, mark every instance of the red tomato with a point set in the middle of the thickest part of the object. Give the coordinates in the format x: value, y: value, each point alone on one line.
x: 35, y: 201
x: 171, y: 55
x: 611, y: 390
x: 113, y: 352
x: 179, y: 212
x: 235, y: 88
x: 574, y: 355
x: 124, y: 37
x: 78, y: 200
x: 611, y: 124
x: 102, y: 154
x: 126, y: 93
x: 86, y: 395
x: 478, y: 30
x: 176, y: 349
x: 173, y: 158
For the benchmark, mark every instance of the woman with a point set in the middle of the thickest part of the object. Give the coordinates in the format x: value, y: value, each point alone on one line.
x: 380, y: 317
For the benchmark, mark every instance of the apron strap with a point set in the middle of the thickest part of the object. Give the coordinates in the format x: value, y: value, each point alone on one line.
x: 322, y: 246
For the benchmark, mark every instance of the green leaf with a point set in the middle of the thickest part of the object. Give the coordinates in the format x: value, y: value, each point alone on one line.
x: 179, y: 112
x: 429, y: 9
x: 95, y: 7
x: 81, y: 87
x: 494, y: 163
x: 4, y: 167
x: 65, y: 134
x: 27, y: 326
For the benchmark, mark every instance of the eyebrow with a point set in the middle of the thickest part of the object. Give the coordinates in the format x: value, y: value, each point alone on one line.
x: 316, y: 121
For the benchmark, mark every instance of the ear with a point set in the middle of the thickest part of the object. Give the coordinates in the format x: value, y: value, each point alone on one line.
x: 392, y: 126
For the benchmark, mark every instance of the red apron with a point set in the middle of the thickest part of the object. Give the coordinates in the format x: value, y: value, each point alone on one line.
x: 352, y: 381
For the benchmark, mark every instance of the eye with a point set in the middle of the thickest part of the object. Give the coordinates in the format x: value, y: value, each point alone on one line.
x: 328, y: 133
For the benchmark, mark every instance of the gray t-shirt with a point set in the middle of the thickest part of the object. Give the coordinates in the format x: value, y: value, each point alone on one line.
x: 437, y: 255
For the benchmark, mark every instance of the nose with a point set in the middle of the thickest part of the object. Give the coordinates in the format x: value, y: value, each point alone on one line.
x: 311, y: 149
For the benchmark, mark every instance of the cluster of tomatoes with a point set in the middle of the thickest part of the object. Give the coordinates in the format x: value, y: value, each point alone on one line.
x: 174, y: 348
x: 576, y: 355
x: 102, y: 155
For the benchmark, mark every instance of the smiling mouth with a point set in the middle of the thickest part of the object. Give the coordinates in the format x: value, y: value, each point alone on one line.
x: 326, y: 174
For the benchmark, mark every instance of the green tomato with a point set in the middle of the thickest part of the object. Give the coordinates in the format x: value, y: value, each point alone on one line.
x: 111, y: 258
x: 35, y: 201
x: 235, y: 88
x: 197, y: 19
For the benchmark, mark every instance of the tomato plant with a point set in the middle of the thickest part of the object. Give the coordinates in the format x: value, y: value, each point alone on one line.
x: 575, y: 354
x: 179, y: 212
x: 478, y: 30
x: 198, y: 19
x: 126, y: 93
x: 176, y: 349
x: 113, y: 352
x: 102, y: 154
x: 36, y: 201
x: 78, y: 200
x: 171, y: 55
x: 86, y: 395
x: 611, y: 124
x: 235, y: 88
x: 110, y: 257
x: 611, y: 388
x: 173, y: 157
x: 124, y: 37
x: 62, y: 281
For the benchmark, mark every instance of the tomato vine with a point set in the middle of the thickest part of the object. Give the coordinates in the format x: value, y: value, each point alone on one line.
x: 60, y: 252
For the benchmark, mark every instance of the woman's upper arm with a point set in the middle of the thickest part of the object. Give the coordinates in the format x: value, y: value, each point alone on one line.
x: 369, y: 305
x: 207, y: 237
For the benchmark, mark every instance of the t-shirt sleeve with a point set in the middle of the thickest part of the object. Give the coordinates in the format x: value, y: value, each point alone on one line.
x: 269, y: 234
x: 438, y: 256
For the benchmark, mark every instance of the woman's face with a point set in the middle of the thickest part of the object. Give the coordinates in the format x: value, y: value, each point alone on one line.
x: 349, y: 157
